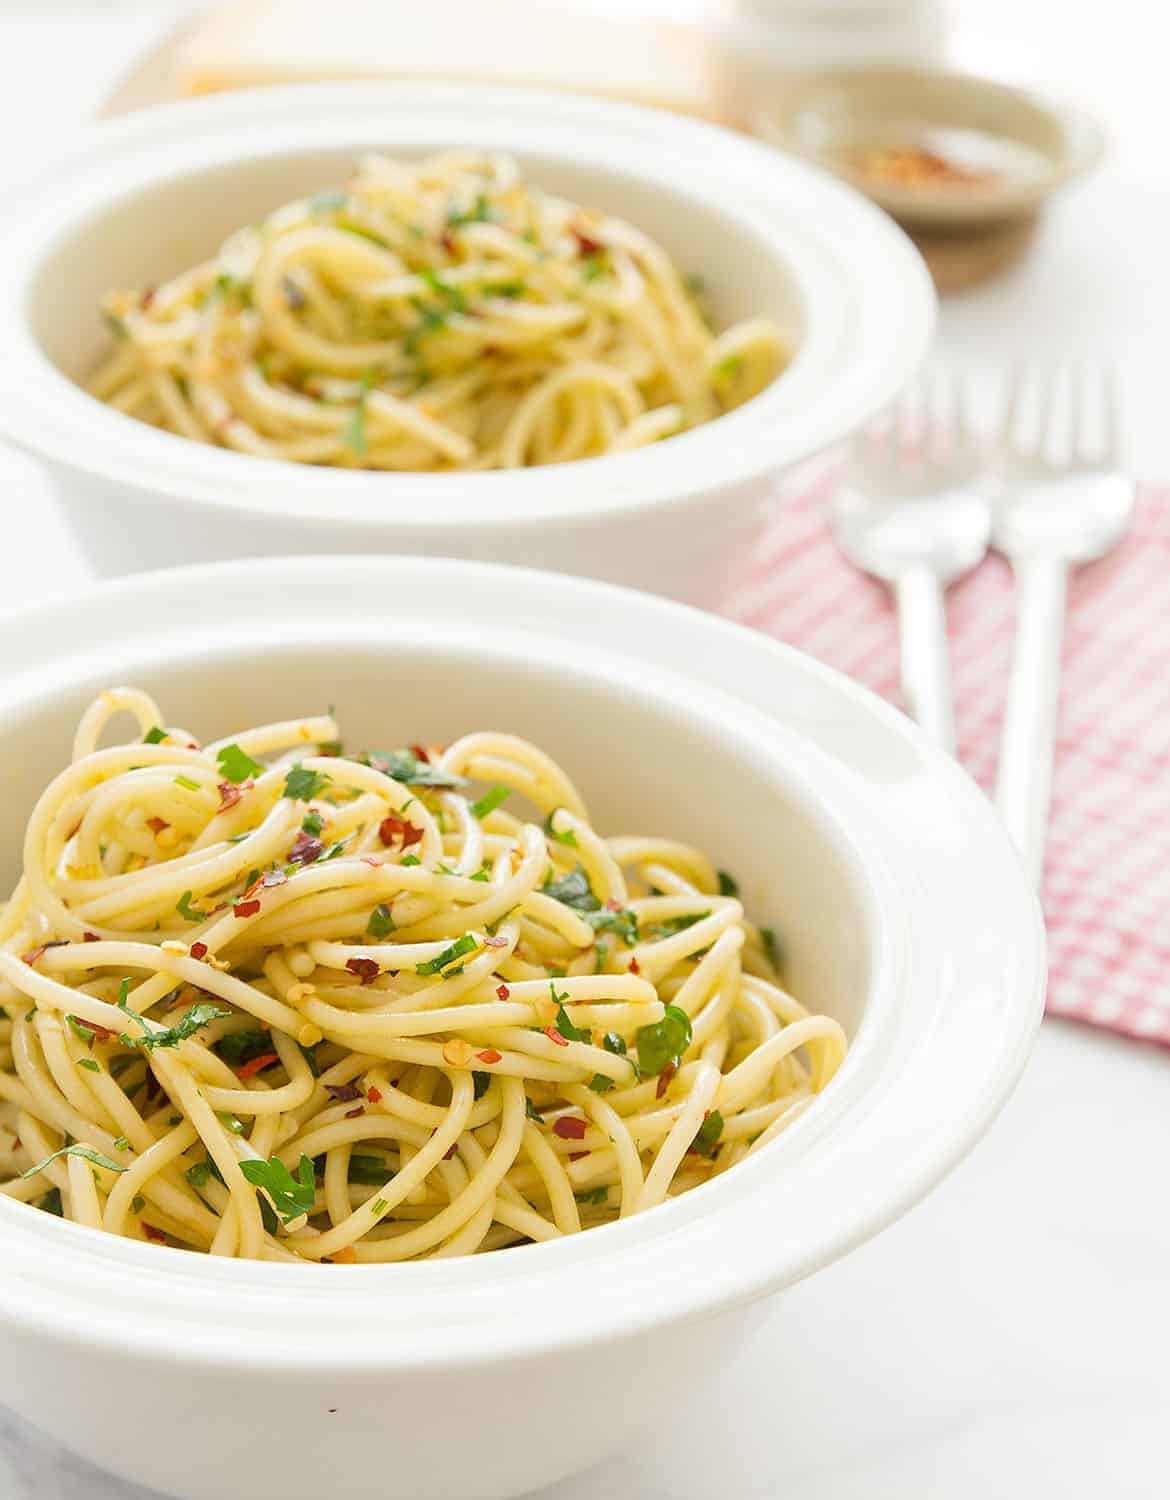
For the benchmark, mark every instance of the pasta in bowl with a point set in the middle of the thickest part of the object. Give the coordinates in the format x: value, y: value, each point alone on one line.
x: 330, y: 1007
x: 438, y: 314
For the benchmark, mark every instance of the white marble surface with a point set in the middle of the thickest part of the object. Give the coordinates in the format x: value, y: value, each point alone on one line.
x: 1008, y: 1338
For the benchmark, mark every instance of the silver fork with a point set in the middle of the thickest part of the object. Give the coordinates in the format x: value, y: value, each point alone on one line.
x: 910, y: 510
x: 1063, y: 500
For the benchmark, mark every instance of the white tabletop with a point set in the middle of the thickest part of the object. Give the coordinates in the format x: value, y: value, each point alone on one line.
x: 1008, y: 1337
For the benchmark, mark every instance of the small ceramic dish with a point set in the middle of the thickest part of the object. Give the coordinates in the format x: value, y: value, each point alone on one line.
x: 933, y: 147
x: 903, y: 909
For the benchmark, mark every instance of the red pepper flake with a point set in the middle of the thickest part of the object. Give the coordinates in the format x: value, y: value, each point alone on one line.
x: 635, y: 966
x: 305, y: 850
x: 569, y: 1128
x: 368, y: 859
x: 343, y: 1093
x: 245, y: 908
x: 156, y: 825
x: 256, y: 1065
x: 664, y: 1080
x: 374, y: 1095
x: 366, y: 969
x: 420, y: 753
x: 154, y: 1234
x: 392, y: 829
x: 578, y: 1155
x: 191, y: 745
x: 229, y: 795
x: 97, y: 1033
x: 489, y: 1055
x: 495, y: 942
x: 146, y: 297
x: 447, y: 240
x: 352, y: 1114
x: 503, y: 991
x: 198, y: 950
x: 612, y: 905
x: 586, y: 244
x: 90, y: 937
x: 554, y: 1036
x: 33, y: 954
x: 447, y: 1155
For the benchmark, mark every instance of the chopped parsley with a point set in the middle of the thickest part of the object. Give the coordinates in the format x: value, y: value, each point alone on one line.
x: 405, y: 766
x: 601, y: 1083
x: 568, y: 837
x: 662, y: 1044
x: 370, y: 1171
x: 595, y: 1196
x: 771, y: 945
x: 671, y: 925
x: 490, y: 801
x: 239, y: 1047
x: 312, y: 824
x: 573, y: 890
x: 566, y: 1028
x: 478, y: 213
x: 458, y: 949
x: 185, y: 909
x: 728, y: 886
x: 354, y: 433
x: 186, y: 781
x: 235, y: 765
x: 154, y: 736
x: 192, y: 1020
x: 88, y: 1064
x: 452, y: 295
x: 480, y: 1082
x: 301, y: 785
x: 708, y: 1134
x: 531, y: 1111
x: 292, y: 1197
x: 75, y: 1148
x: 380, y: 923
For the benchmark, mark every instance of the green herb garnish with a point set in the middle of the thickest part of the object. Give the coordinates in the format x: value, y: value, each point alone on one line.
x: 728, y: 886
x: 458, y: 949
x: 568, y: 837
x: 235, y: 765
x: 380, y: 923
x: 490, y: 801
x: 301, y: 785
x: 76, y: 1148
x: 601, y: 1083
x: 154, y: 736
x: 185, y: 909
x: 292, y: 1197
x: 662, y: 1044
x: 354, y: 433
x: 594, y: 1196
x: 185, y: 1027
x: 186, y: 781
x: 405, y: 766
x: 480, y: 1082
x: 312, y: 824
x: 708, y: 1134
x: 371, y: 1171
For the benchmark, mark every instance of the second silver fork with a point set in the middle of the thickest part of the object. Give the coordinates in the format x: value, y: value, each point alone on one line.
x: 910, y: 510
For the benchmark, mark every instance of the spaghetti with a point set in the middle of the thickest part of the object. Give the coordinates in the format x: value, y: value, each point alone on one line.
x: 431, y: 316
x: 266, y: 999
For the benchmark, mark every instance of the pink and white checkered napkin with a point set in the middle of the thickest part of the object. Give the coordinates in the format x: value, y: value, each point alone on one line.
x: 1107, y: 882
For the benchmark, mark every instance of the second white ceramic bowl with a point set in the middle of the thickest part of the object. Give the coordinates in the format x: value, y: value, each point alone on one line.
x: 903, y: 910
x: 139, y: 199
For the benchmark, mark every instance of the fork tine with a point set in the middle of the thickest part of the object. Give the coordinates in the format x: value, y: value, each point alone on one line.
x: 1110, y: 437
x: 1011, y: 423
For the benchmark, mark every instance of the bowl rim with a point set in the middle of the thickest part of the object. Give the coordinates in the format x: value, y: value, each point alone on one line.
x: 868, y: 298
x: 960, y: 972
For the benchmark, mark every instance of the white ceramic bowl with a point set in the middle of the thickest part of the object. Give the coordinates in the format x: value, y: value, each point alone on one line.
x: 900, y: 902
x: 138, y: 199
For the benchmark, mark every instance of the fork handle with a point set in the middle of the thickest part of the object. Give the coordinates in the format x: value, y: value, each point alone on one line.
x: 926, y: 677
x: 1023, y: 789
